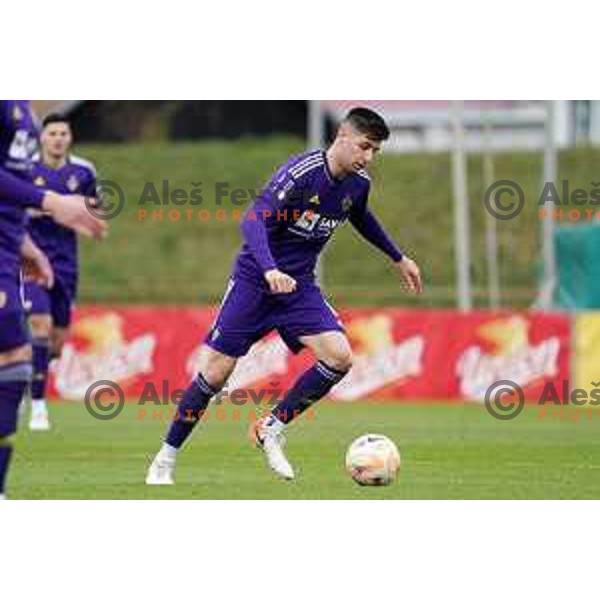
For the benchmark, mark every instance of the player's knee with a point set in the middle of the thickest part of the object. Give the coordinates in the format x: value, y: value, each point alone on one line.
x: 339, y: 359
x: 58, y: 336
x: 216, y: 367
x: 41, y: 326
x: 56, y: 347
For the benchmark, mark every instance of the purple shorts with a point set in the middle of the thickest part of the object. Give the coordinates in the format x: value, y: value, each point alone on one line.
x: 13, y: 325
x: 57, y: 302
x: 249, y: 312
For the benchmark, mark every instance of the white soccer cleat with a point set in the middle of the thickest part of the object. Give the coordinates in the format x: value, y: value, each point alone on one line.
x: 39, y: 421
x: 271, y: 441
x: 161, y: 471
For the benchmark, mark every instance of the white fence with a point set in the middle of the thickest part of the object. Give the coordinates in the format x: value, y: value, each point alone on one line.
x: 426, y: 125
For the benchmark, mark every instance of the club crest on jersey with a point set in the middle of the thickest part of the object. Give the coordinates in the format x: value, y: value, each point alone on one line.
x: 346, y: 204
x: 39, y: 181
x: 72, y: 183
x: 315, y: 200
x: 17, y: 113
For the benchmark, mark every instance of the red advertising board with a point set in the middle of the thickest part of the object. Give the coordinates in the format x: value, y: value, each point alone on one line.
x: 402, y: 355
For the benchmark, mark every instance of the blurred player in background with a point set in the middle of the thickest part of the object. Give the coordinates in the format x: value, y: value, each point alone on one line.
x: 18, y: 141
x: 55, y: 169
x: 273, y: 284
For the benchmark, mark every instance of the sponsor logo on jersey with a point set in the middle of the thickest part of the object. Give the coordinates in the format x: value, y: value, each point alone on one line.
x: 320, y: 225
x: 328, y: 224
x: 39, y: 181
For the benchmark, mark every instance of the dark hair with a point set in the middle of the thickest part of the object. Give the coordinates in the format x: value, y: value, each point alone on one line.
x: 367, y: 121
x: 55, y: 118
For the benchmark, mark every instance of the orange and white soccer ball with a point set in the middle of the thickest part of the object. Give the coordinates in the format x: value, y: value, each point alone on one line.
x: 373, y: 459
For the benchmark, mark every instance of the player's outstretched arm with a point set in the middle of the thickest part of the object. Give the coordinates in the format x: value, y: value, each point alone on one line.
x: 369, y: 227
x: 69, y: 211
x: 72, y: 212
x: 21, y: 192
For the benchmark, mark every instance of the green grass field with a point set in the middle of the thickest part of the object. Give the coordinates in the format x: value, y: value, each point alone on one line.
x: 448, y: 451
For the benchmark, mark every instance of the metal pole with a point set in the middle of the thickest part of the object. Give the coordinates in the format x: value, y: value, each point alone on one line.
x: 316, y: 139
x: 550, y: 174
x: 595, y: 122
x: 461, y: 210
x: 315, y: 133
x: 491, y: 236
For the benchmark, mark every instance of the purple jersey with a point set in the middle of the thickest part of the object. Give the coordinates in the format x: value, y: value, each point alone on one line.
x: 18, y: 141
x: 287, y: 228
x: 59, y: 243
x: 296, y: 215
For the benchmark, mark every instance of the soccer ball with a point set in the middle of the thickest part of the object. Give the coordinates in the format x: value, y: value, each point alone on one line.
x: 373, y: 459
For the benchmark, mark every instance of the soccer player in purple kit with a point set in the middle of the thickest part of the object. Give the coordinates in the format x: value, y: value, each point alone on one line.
x: 273, y: 285
x: 56, y: 169
x: 18, y: 141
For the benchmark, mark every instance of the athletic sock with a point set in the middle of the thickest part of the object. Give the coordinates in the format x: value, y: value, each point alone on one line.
x: 39, y: 380
x: 38, y: 407
x: 14, y: 380
x: 194, y: 402
x: 5, y: 454
x: 313, y: 385
x: 168, y: 452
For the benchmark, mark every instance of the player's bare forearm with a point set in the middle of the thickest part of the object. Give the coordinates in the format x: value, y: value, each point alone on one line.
x: 28, y: 248
x: 72, y: 212
x: 36, y: 266
x: 34, y: 213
